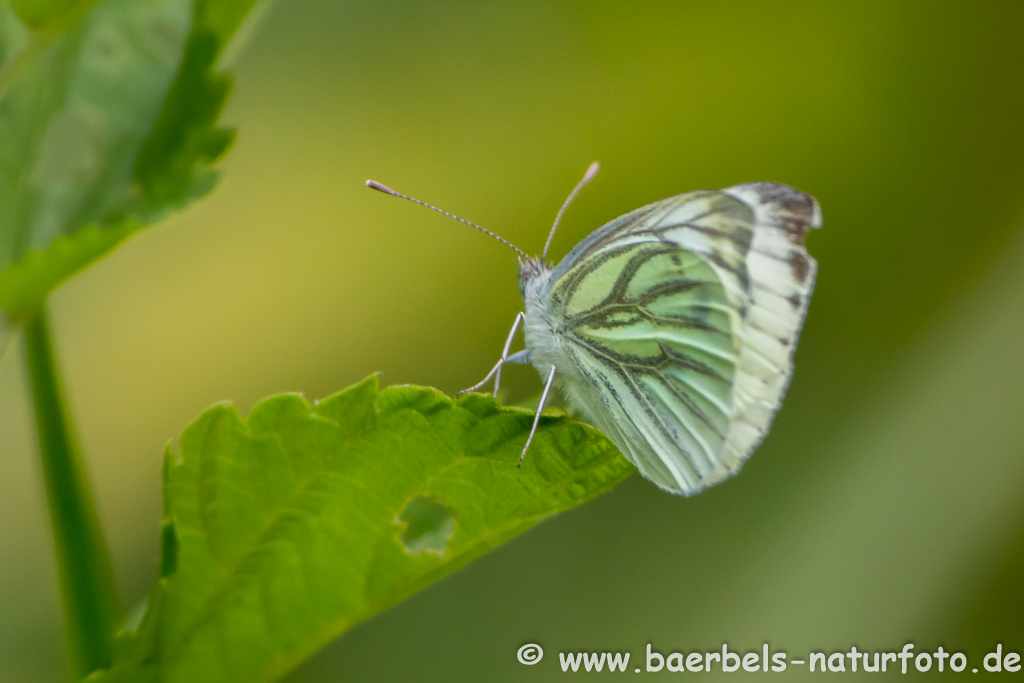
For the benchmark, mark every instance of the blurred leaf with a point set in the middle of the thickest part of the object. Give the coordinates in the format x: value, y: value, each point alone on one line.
x: 173, y: 165
x: 39, y: 13
x: 282, y: 531
x: 75, y: 117
x: 23, y: 285
x: 108, y: 122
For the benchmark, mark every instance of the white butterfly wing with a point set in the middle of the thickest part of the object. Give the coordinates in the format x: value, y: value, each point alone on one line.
x: 679, y: 320
x: 782, y: 277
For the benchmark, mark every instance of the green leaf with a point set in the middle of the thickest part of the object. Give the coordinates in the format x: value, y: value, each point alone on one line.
x: 40, y: 14
x: 282, y: 531
x: 108, y: 121
x: 174, y: 164
x: 24, y: 285
x: 76, y: 116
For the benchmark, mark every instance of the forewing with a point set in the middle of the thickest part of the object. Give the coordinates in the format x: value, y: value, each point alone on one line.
x: 671, y: 315
x: 781, y: 282
x: 709, y: 223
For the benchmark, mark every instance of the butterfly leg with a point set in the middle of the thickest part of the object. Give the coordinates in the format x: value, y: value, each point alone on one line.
x: 504, y: 351
x: 496, y: 370
x: 536, y: 418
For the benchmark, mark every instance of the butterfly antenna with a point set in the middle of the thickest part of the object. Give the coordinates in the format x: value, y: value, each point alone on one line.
x: 380, y: 187
x: 587, y: 177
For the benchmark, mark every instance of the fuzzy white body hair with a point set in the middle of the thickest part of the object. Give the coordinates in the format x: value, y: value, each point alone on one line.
x: 541, y: 328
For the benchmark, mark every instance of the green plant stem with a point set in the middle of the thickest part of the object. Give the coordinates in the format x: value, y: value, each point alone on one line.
x: 91, y: 608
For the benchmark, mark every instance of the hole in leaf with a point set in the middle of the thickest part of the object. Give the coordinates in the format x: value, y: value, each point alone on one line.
x: 429, y: 526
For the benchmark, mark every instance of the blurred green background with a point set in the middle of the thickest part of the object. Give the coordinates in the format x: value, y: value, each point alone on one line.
x: 885, y: 505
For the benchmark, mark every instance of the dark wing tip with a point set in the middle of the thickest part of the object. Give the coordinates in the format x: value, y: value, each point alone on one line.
x: 784, y: 199
x: 789, y: 209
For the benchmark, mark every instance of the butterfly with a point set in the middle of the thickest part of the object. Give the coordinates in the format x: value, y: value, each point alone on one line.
x: 673, y: 327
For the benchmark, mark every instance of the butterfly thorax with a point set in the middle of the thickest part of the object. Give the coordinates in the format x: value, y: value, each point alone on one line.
x: 541, y: 321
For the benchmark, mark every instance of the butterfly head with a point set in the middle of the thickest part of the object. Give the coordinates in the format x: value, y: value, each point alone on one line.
x: 530, y: 268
